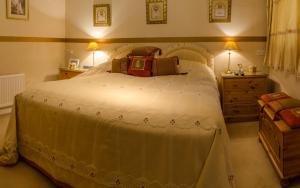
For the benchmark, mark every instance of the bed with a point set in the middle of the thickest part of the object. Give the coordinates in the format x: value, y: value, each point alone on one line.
x: 105, y: 129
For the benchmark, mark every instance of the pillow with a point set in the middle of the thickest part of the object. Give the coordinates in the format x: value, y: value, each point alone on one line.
x: 165, y: 66
x: 144, y: 51
x: 140, y: 66
x: 120, y: 65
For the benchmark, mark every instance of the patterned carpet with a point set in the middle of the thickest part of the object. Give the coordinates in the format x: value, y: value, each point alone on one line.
x: 251, y: 164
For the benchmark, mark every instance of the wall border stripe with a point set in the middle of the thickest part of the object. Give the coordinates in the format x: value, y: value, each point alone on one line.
x: 134, y: 40
x: 30, y: 39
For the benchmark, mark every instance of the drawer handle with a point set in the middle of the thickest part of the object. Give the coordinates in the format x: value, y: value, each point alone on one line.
x: 252, y: 87
x: 235, y: 85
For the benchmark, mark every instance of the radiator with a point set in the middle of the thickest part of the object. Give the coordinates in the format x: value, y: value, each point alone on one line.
x: 10, y: 86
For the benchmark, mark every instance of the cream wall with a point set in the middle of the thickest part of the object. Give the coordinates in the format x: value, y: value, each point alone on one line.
x: 185, y: 19
x: 39, y: 61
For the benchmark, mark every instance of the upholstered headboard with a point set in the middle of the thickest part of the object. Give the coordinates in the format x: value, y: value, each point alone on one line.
x: 190, y: 52
x: 187, y: 51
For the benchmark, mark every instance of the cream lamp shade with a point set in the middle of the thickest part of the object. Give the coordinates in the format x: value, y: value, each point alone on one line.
x: 92, y: 47
x: 230, y: 45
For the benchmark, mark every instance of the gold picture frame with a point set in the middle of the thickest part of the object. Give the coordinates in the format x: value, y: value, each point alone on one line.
x: 17, y: 9
x: 219, y: 11
x: 156, y: 11
x: 102, y: 15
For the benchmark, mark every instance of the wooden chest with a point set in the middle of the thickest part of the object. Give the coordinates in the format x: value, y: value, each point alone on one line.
x: 281, y: 143
x: 240, y: 95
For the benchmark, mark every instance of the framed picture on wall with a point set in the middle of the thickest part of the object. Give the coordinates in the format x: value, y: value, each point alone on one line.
x: 102, y: 15
x: 156, y: 11
x: 219, y: 11
x: 17, y: 9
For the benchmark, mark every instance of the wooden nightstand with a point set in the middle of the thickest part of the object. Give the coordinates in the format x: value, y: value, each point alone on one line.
x: 240, y: 95
x: 65, y: 73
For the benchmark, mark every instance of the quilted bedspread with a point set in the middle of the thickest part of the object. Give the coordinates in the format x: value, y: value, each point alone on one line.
x: 114, y: 130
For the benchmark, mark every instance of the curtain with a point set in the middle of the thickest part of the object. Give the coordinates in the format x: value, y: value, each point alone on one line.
x: 283, y: 43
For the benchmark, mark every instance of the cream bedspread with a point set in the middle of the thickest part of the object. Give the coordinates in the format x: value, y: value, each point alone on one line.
x: 113, y: 130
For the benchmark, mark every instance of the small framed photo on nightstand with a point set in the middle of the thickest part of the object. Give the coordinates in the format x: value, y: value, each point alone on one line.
x: 73, y: 64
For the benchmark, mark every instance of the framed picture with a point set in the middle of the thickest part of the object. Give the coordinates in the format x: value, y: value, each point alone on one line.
x: 102, y: 15
x: 156, y: 11
x: 17, y: 9
x: 73, y: 64
x: 219, y: 10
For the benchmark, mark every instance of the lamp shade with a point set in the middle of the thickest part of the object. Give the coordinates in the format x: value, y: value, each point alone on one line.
x: 93, y: 46
x: 231, y: 45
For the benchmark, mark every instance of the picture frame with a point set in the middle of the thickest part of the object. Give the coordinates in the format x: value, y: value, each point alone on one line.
x: 220, y: 11
x: 17, y: 9
x: 102, y: 15
x: 156, y: 11
x: 73, y: 64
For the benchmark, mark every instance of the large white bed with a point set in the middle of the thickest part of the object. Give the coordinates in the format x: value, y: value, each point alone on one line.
x: 105, y: 129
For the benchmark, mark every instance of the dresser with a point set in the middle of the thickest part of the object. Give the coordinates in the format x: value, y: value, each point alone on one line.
x: 239, y: 96
x: 65, y: 73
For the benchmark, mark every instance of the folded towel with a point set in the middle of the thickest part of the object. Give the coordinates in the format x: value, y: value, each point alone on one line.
x: 291, y: 117
x: 273, y: 96
x: 282, y: 104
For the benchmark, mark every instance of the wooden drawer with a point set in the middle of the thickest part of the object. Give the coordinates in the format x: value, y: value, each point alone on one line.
x: 240, y: 109
x: 241, y: 96
x: 254, y: 84
x: 68, y: 74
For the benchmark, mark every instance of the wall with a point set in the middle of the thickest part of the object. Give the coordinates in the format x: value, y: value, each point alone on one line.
x: 38, y: 60
x: 286, y: 82
x: 185, y: 19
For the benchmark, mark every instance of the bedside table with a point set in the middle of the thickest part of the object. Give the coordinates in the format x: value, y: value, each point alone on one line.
x: 65, y: 73
x: 239, y: 96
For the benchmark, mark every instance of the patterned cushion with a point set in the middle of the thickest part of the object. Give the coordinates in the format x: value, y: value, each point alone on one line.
x: 273, y: 96
x: 120, y: 65
x: 291, y: 117
x: 144, y: 51
x: 165, y: 66
x: 140, y: 66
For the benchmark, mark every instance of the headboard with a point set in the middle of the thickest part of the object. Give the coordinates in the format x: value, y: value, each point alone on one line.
x: 187, y: 51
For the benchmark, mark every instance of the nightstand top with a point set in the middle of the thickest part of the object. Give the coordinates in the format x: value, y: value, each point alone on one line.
x: 247, y: 75
x: 73, y: 70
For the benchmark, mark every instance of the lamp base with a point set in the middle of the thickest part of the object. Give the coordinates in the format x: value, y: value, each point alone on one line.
x: 228, y: 71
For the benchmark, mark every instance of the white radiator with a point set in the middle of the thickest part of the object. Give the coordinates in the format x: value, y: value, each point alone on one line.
x: 10, y: 86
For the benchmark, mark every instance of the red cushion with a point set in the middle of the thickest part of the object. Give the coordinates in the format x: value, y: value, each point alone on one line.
x: 291, y: 117
x: 273, y: 96
x: 140, y: 66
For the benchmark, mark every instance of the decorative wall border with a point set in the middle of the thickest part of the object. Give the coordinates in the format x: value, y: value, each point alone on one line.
x: 134, y: 40
x: 30, y: 39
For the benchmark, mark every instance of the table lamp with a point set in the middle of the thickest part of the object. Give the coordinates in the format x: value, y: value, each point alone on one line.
x: 93, y: 47
x: 230, y: 45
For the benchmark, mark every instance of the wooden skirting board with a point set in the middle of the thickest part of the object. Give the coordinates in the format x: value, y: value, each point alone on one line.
x: 134, y: 40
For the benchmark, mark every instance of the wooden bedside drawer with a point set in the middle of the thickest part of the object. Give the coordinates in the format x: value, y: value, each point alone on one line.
x: 245, y: 84
x: 240, y: 95
x: 67, y: 74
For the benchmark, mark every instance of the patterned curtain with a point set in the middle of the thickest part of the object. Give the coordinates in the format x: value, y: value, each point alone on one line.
x: 283, y: 43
